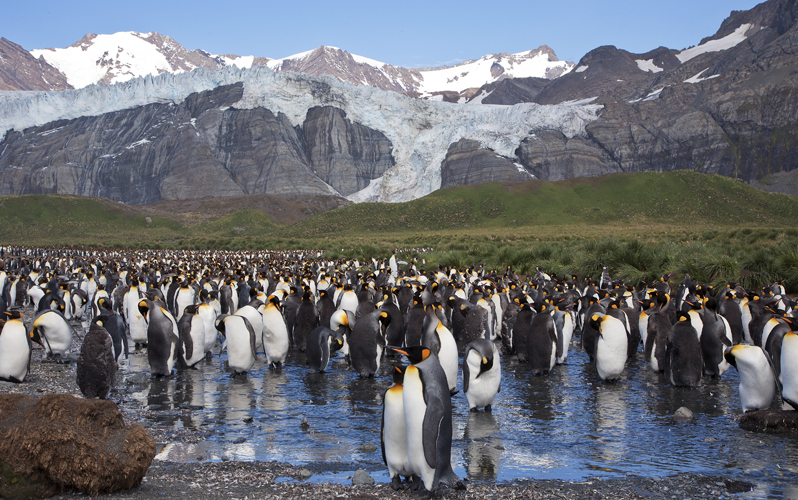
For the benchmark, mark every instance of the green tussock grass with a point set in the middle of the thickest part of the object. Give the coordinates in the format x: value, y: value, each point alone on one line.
x: 641, y: 225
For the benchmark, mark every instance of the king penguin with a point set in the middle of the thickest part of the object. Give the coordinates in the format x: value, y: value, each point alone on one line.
x: 789, y: 370
x: 541, y: 343
x: 428, y: 419
x: 96, y: 370
x: 162, y: 340
x: 15, y: 348
x: 321, y: 343
x: 275, y: 333
x: 366, y: 343
x: 757, y: 381
x: 683, y: 359
x: 52, y: 331
x: 482, y: 374
x: 240, y: 340
x: 612, y: 343
x: 393, y: 433
x: 191, y: 331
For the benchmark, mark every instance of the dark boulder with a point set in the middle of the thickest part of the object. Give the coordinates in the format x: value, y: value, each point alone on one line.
x: 770, y: 421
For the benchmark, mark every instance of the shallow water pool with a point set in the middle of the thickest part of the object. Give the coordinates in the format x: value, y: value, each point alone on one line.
x: 569, y: 425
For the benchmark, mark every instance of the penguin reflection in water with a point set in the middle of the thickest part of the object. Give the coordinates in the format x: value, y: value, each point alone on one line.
x: 428, y: 419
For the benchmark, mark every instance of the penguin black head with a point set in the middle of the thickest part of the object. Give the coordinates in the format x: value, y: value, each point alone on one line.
x: 384, y: 319
x: 415, y: 354
x: 398, y: 374
x: 682, y: 316
x: 595, y: 321
x: 101, y: 320
x: 144, y: 308
x: 192, y: 309
x: 34, y: 336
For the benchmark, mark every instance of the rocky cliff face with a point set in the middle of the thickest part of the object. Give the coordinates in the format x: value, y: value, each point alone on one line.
x: 727, y: 106
x: 19, y: 70
x: 202, y: 147
x: 467, y: 162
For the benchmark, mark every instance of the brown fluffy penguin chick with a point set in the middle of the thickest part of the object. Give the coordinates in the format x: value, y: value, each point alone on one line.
x: 96, y: 370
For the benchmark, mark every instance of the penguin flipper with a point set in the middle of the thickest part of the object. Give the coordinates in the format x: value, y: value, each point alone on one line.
x: 433, y: 418
x: 466, y: 374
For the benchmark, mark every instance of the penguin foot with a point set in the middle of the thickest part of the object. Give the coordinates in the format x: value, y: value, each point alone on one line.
x: 488, y: 409
x: 396, y: 483
x: 208, y: 356
x: 474, y: 409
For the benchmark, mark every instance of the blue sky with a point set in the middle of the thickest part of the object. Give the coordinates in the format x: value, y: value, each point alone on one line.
x: 410, y: 33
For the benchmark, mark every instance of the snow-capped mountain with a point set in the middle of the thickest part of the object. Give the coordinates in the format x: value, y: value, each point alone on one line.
x: 125, y: 55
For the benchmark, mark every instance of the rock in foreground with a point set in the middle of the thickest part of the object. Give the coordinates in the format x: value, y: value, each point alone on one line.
x: 59, y: 442
x: 770, y: 421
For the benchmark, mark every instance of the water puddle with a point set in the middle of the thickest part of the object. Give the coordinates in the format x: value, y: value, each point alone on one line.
x: 569, y: 425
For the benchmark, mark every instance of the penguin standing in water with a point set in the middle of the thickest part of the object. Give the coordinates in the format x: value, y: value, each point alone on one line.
x: 393, y: 434
x: 541, y: 343
x: 208, y: 314
x: 612, y: 344
x: 757, y: 380
x: 564, y: 322
x: 52, y: 331
x: 191, y: 331
x: 521, y: 331
x: 367, y: 342
x: 275, y: 333
x: 428, y: 419
x: 683, y: 360
x: 321, y: 343
x: 482, y: 374
x: 240, y: 340
x: 789, y: 371
x: 15, y: 348
x: 96, y: 370
x: 162, y: 337
x: 307, y: 318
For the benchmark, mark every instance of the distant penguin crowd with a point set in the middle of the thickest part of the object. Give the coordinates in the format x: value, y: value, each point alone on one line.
x: 188, y: 307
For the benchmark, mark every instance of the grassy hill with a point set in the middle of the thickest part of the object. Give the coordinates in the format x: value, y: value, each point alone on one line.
x: 673, y: 198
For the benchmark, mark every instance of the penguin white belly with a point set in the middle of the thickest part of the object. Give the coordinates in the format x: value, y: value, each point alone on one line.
x: 567, y: 333
x: 746, y: 315
x: 68, y: 303
x: 57, y: 332
x: 197, y: 339
x: 14, y: 351
x: 728, y: 331
x: 185, y: 298
x: 642, y: 326
x: 256, y: 320
x: 208, y: 315
x: 652, y: 361
x: 757, y: 383
x: 611, y: 349
x: 275, y: 336
x: 448, y: 356
x: 482, y: 389
x: 239, y: 350
x: 695, y: 320
x: 769, y: 326
x: 349, y: 301
x: 394, y: 434
x: 415, y: 409
x: 789, y: 369
x: 35, y: 294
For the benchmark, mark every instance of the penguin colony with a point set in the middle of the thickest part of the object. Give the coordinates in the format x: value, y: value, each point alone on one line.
x: 182, y: 306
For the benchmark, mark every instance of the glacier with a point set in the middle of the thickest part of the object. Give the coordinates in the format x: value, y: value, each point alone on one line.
x: 420, y: 130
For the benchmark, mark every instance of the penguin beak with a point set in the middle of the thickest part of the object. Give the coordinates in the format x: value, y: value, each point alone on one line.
x: 397, y: 349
